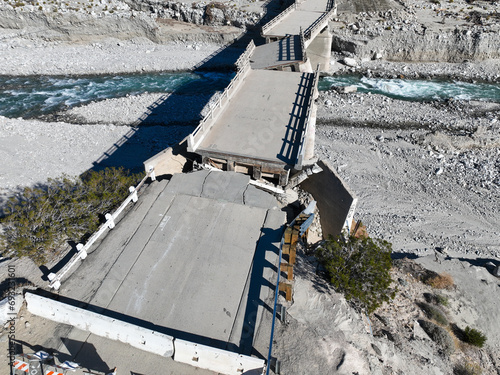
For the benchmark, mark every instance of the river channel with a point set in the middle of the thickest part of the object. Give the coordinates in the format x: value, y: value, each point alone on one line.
x: 31, y: 97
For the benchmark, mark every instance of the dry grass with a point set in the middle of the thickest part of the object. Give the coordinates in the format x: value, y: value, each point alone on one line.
x: 467, y: 368
x: 441, y: 281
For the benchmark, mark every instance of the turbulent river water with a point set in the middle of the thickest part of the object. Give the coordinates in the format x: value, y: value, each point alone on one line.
x: 30, y: 97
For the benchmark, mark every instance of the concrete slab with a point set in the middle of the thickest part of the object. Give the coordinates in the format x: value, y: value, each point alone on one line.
x: 293, y: 22
x: 283, y: 52
x: 87, y: 279
x: 184, y: 267
x: 264, y: 119
x: 190, y: 184
x: 258, y: 198
x: 192, y: 272
x: 225, y: 186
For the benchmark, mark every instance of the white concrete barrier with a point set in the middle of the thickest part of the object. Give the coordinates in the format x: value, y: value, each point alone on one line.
x: 100, y: 325
x: 217, y: 360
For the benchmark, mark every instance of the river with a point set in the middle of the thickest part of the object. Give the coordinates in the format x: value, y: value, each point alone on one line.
x: 30, y: 97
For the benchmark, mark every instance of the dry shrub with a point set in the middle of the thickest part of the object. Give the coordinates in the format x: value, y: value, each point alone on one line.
x: 442, y: 281
x: 467, y: 368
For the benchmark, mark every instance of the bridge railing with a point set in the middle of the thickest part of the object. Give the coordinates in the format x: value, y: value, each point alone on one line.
x: 276, y: 19
x: 55, y: 278
x: 244, y: 59
x: 303, y: 136
x: 197, y: 136
x: 319, y: 24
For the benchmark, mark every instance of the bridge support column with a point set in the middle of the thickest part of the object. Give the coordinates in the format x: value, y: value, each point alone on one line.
x: 230, y: 166
x: 257, y: 172
x: 283, y: 178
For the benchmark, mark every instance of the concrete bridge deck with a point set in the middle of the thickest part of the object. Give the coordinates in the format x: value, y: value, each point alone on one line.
x: 194, y: 259
x: 261, y: 126
x: 284, y: 52
x: 310, y: 16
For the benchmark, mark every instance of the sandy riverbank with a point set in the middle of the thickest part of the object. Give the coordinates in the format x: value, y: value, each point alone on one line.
x: 110, y: 56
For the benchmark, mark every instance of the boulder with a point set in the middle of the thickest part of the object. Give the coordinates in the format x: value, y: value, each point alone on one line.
x: 345, y: 89
x: 496, y: 271
x: 349, y: 61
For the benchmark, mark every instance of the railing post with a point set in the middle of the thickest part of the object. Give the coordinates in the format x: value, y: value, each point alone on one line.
x: 134, y: 193
x: 110, y: 221
x: 81, y: 252
x: 152, y: 174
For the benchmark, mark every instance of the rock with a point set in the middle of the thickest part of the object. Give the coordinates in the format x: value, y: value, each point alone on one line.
x: 496, y: 271
x: 377, y: 350
x: 419, y: 333
x: 345, y: 89
x: 350, y: 62
x: 27, y: 324
x: 328, y: 103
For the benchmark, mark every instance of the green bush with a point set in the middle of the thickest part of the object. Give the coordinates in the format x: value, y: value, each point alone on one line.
x: 474, y: 337
x: 359, y: 268
x: 41, y: 219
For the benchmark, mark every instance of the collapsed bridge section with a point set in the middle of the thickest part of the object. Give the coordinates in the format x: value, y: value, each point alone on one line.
x: 262, y: 124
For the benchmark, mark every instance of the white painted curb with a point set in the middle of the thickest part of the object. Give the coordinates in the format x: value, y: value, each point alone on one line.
x: 217, y: 360
x: 100, y: 325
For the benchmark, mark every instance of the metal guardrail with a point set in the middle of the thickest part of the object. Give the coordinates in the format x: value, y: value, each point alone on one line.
x: 276, y: 19
x: 55, y: 278
x: 301, y: 153
x: 196, y: 137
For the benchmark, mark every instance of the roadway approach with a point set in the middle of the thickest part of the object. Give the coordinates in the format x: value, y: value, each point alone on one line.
x: 196, y: 258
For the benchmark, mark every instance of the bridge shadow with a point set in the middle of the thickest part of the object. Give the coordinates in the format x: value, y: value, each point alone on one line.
x: 173, y: 116
x: 290, y: 49
x: 266, y: 248
x: 295, y: 127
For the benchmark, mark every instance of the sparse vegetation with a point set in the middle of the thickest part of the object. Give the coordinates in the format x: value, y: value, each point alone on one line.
x: 40, y: 219
x: 439, y: 335
x: 440, y: 281
x: 437, y: 299
x: 434, y: 313
x: 359, y: 268
x: 474, y: 337
x: 467, y: 368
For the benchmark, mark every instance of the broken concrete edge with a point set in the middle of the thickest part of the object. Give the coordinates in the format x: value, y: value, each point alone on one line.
x: 336, y: 202
x: 171, y: 160
x: 201, y: 356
